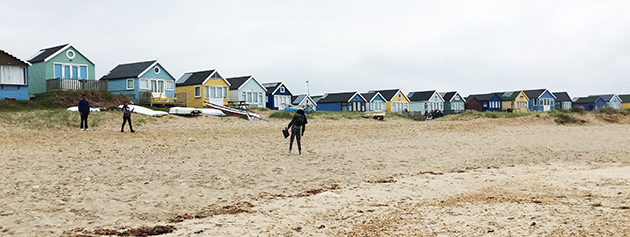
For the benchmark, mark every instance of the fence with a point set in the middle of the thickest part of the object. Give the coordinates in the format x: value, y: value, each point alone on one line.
x: 146, y: 97
x: 59, y: 84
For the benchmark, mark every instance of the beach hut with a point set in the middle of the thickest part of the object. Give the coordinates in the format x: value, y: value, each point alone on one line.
x: 423, y: 101
x: 141, y: 79
x: 489, y: 102
x: 612, y: 101
x: 395, y: 100
x: 590, y: 103
x: 60, y: 68
x: 540, y: 100
x: 454, y: 103
x: 13, y: 77
x: 246, y: 90
x: 342, y: 101
x: 625, y: 101
x: 203, y: 86
x: 304, y: 101
x: 472, y: 103
x: 278, y: 95
x: 513, y: 101
x: 563, y: 100
x: 374, y: 101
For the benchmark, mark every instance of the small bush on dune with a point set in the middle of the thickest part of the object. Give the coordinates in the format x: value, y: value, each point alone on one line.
x: 564, y: 117
x: 281, y: 115
x: 606, y: 110
x: 578, y: 109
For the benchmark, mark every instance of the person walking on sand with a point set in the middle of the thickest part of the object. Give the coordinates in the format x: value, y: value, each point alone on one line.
x: 126, y: 117
x: 84, y: 110
x: 297, y: 126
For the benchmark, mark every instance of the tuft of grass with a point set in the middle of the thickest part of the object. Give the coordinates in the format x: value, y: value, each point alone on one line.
x: 606, y: 110
x: 471, y: 114
x: 281, y: 115
x: 336, y: 115
x: 578, y: 109
x: 60, y: 118
x: 564, y: 117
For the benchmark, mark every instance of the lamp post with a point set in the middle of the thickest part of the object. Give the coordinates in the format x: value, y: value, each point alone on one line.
x: 308, y: 92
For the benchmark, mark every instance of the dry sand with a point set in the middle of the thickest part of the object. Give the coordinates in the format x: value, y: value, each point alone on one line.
x: 517, y: 177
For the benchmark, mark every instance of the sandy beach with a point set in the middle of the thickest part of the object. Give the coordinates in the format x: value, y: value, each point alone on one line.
x: 221, y: 176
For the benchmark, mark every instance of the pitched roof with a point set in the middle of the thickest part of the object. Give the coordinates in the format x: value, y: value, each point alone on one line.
x: 586, y: 100
x: 237, y: 82
x: 316, y: 98
x: 420, y: 95
x: 194, y: 78
x: 14, y: 57
x: 337, y: 97
x: 128, y: 70
x: 368, y: 96
x: 271, y: 87
x: 481, y: 97
x: 625, y: 98
x: 508, y: 95
x: 607, y: 97
x: 562, y: 96
x: 387, y: 94
x: 45, y: 53
x: 299, y: 98
x: 533, y: 94
x: 448, y: 96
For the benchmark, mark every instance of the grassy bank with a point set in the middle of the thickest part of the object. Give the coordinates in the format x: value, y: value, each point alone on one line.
x: 60, y: 118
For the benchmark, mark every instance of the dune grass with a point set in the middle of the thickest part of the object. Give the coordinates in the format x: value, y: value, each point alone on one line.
x: 470, y: 115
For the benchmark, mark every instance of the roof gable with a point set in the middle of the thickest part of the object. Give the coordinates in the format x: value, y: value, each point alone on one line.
x: 535, y: 94
x: 44, y: 55
x: 236, y: 83
x: 273, y: 87
x: 370, y: 96
x: 610, y: 97
x: 199, y: 78
x: 8, y: 59
x: 422, y: 95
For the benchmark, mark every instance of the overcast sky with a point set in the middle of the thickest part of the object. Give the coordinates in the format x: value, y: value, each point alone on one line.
x: 582, y: 47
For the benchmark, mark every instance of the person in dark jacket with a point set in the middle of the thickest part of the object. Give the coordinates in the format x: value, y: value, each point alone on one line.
x: 84, y: 110
x: 297, y: 126
x: 126, y: 117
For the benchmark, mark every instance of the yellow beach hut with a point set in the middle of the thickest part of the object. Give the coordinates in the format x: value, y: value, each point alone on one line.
x: 396, y: 101
x: 513, y: 101
x: 625, y: 101
x: 203, y: 87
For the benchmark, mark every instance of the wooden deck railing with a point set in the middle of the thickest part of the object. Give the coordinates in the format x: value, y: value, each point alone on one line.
x: 146, y: 98
x: 59, y: 84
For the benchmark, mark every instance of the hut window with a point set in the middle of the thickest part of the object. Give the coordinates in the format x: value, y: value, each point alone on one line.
x: 156, y: 70
x: 282, y: 89
x: 197, y: 91
x: 129, y: 84
x: 144, y: 84
x: 15, y: 75
x: 170, y: 85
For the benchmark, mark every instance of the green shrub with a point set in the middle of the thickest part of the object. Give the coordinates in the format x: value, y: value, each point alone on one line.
x: 564, y: 117
x: 578, y: 109
x: 606, y: 110
x: 281, y: 115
